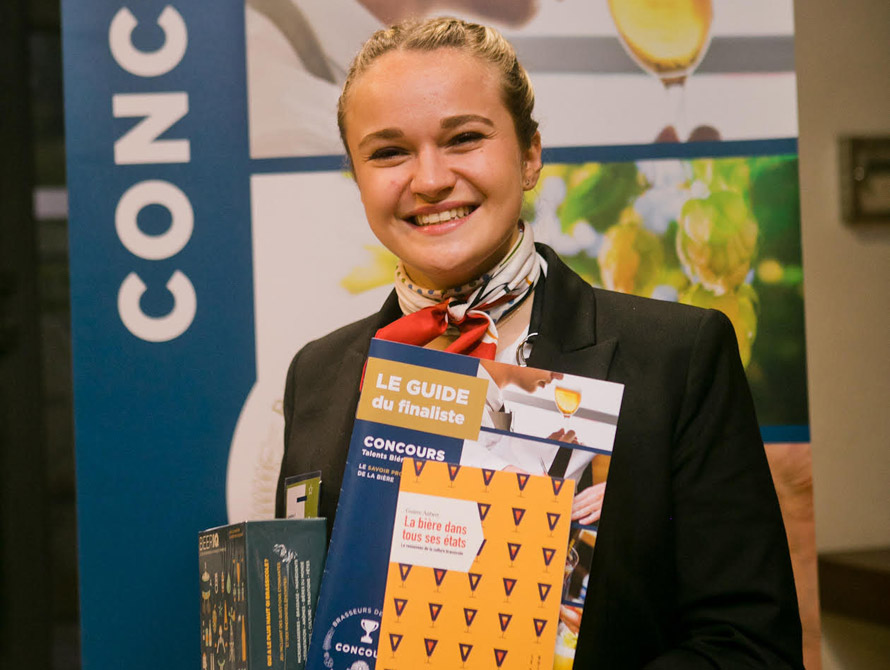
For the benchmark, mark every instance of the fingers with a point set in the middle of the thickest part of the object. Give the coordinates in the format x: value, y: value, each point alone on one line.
x: 568, y: 436
x: 588, y: 504
x: 593, y: 517
x: 562, y: 435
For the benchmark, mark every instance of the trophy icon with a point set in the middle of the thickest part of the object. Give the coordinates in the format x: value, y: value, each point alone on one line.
x: 369, y: 626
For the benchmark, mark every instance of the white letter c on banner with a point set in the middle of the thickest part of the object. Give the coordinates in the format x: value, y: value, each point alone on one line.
x: 148, y: 63
x: 160, y: 328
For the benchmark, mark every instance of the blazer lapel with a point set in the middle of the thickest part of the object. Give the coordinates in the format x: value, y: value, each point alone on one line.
x: 352, y: 363
x: 567, y: 337
x: 592, y: 361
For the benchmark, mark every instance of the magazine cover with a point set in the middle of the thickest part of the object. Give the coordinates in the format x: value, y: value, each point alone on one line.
x: 436, y: 407
x: 476, y: 568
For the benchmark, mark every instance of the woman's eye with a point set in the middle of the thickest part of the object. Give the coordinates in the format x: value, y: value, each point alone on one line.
x: 386, y: 153
x: 466, y: 138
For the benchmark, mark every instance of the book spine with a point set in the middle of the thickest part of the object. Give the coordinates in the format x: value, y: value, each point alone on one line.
x: 308, y: 579
x: 300, y: 550
x: 261, y: 610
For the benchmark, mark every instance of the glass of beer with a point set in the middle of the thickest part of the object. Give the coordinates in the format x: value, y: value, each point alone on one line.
x: 568, y: 397
x: 666, y: 38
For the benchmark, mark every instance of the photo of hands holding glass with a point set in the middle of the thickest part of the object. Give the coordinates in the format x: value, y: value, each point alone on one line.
x: 548, y: 423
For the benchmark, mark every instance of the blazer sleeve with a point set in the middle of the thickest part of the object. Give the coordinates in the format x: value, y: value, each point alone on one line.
x: 288, y: 407
x: 736, y: 605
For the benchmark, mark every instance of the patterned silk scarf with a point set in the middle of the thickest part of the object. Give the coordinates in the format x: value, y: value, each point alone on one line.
x: 474, y: 308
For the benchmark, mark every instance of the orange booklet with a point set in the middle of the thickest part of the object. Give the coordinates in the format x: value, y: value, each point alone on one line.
x: 476, y: 571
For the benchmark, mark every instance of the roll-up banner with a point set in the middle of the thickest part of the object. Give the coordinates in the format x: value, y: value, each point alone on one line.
x: 214, y: 230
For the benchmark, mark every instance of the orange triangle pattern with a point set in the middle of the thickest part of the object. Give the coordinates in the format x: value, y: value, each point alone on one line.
x: 522, y: 480
x: 469, y: 615
x: 518, y: 513
x: 506, y: 595
x: 549, y: 553
x: 430, y: 645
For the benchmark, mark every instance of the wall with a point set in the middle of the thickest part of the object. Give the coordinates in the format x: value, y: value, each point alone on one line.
x: 843, y: 57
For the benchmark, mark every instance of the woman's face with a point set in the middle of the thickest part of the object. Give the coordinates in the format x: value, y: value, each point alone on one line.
x: 438, y: 164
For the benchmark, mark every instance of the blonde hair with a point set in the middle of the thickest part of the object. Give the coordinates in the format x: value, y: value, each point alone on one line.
x: 483, y: 42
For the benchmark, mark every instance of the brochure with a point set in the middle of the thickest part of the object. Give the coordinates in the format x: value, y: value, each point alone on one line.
x: 476, y: 568
x: 437, y: 407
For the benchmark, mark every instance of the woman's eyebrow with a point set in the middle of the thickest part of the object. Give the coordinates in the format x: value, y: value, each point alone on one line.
x: 461, y: 119
x: 385, y: 134
x: 446, y: 124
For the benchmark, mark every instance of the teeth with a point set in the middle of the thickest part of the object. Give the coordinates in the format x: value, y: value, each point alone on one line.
x: 442, y: 217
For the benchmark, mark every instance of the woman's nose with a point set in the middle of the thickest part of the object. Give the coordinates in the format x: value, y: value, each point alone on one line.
x: 433, y: 179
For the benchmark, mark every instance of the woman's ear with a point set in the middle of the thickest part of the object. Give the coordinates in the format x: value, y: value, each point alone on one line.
x: 531, y: 163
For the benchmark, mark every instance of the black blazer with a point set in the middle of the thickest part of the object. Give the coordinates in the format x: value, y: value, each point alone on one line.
x: 691, y: 567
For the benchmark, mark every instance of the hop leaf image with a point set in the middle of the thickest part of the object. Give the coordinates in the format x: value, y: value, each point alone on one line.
x: 729, y: 236
x: 739, y: 305
x: 716, y: 240
x: 597, y: 193
x: 631, y: 257
x: 725, y: 174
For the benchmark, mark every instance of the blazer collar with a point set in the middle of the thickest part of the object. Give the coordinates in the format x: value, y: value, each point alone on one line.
x: 567, y: 332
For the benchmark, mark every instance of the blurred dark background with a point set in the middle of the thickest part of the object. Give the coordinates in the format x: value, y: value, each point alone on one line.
x: 38, y: 542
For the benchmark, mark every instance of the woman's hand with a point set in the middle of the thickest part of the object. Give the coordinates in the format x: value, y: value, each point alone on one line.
x: 587, y: 504
x: 564, y: 436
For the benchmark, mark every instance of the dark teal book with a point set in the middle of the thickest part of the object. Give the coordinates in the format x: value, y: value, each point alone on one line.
x: 259, y: 584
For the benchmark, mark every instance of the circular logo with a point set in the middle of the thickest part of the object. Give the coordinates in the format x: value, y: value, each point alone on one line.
x: 352, y: 639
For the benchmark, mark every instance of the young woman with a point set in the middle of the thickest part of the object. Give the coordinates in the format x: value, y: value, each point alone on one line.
x: 691, y: 567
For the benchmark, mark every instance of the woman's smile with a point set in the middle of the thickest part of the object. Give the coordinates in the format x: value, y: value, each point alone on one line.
x: 441, y: 217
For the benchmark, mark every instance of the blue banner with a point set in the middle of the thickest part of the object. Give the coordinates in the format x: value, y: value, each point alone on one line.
x: 162, y: 308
